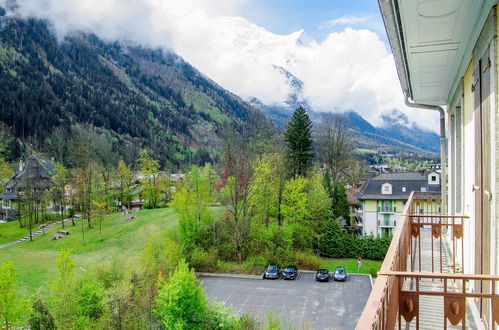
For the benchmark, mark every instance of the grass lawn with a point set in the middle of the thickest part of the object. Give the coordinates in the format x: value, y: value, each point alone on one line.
x: 10, y: 232
x: 35, y: 261
x: 350, y: 264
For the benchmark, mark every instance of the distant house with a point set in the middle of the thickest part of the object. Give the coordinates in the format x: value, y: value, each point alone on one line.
x: 382, y: 198
x: 36, y: 173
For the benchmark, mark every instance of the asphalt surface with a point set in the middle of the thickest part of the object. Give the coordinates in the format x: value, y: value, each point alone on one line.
x: 300, y: 304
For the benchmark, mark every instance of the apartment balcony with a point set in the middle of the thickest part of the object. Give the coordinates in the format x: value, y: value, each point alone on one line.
x: 421, y: 284
x: 387, y: 211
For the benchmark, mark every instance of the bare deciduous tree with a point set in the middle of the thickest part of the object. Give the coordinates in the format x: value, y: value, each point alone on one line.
x: 334, y: 145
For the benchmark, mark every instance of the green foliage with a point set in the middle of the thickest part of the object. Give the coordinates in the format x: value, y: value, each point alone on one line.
x: 109, y: 273
x: 338, y: 198
x: 40, y: 317
x: 202, y: 259
x: 11, y: 308
x: 6, y: 172
x: 337, y: 244
x: 295, y: 203
x: 124, y: 177
x: 149, y: 168
x: 118, y: 304
x: 180, y: 303
x: 146, y: 93
x: 299, y: 149
x: 246, y: 322
x: 351, y: 266
x: 269, y: 185
x: 307, y: 261
x: 160, y: 255
x: 62, y: 291
x: 89, y: 299
x: 273, y: 322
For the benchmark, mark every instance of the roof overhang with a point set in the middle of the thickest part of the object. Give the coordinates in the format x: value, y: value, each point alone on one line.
x: 432, y: 43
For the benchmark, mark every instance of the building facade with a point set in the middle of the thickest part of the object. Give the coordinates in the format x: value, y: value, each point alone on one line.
x: 34, y: 174
x: 383, y: 198
x: 446, y: 54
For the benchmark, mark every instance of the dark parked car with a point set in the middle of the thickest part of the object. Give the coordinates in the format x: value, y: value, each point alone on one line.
x: 272, y: 271
x: 322, y: 275
x: 290, y: 273
x: 340, y: 274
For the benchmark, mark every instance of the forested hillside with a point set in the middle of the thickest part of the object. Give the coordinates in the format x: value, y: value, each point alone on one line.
x: 116, y: 97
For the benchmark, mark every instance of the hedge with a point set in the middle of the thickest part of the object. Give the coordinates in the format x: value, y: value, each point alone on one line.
x: 337, y: 244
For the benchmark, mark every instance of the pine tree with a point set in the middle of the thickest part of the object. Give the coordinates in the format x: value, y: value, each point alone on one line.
x: 299, y: 149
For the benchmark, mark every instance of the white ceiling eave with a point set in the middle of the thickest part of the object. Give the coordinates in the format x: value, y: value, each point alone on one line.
x: 432, y: 42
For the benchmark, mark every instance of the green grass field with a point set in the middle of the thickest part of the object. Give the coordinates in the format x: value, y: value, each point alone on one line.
x: 350, y: 264
x: 10, y: 232
x: 35, y: 261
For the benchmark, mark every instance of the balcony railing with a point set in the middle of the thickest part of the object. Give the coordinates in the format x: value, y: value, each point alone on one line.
x: 421, y: 283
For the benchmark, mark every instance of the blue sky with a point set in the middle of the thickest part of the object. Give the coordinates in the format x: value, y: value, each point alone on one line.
x: 287, y: 16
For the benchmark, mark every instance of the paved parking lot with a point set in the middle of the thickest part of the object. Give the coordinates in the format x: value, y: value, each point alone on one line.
x: 300, y: 304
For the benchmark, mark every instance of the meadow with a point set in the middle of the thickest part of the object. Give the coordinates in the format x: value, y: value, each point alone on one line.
x: 122, y: 241
x: 35, y: 260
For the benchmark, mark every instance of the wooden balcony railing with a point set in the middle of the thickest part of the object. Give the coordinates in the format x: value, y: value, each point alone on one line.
x: 425, y: 256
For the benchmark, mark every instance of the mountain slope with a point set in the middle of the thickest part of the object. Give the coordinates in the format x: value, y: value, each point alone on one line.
x: 131, y: 96
x: 396, y: 133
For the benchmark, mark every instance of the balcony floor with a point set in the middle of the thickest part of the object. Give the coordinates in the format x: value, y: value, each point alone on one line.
x: 431, y: 307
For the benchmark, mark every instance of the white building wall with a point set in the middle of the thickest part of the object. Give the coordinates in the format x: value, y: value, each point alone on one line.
x: 469, y: 172
x: 369, y: 223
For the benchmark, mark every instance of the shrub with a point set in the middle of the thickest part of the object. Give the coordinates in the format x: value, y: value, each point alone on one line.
x: 89, y: 299
x: 307, y: 261
x: 108, y: 274
x: 257, y: 262
x: 338, y: 244
x: 181, y: 303
x: 247, y: 322
x: 202, y: 260
x: 40, y: 316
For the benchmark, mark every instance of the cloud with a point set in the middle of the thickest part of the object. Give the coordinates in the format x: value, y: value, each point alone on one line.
x: 345, y: 20
x: 351, y: 70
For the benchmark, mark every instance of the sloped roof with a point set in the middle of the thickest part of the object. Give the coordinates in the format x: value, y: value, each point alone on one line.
x: 36, y: 173
x: 412, y: 181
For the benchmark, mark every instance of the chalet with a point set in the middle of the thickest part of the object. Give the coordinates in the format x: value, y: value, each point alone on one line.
x: 35, y: 174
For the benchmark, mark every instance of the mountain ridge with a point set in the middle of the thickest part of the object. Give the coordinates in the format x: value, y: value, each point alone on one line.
x: 136, y: 97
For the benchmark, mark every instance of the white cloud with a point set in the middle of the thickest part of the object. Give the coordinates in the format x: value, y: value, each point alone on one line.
x: 345, y: 20
x: 350, y: 70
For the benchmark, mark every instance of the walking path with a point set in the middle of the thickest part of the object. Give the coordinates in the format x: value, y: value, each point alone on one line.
x: 36, y: 233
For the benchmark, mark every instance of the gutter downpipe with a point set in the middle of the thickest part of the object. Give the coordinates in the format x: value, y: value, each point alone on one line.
x: 443, y: 157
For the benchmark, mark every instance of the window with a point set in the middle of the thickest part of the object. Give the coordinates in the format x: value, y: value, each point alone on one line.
x: 387, y: 206
x: 423, y: 189
x: 403, y: 189
x: 433, y: 178
x: 386, y: 188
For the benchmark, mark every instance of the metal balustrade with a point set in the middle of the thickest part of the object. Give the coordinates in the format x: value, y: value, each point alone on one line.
x: 420, y: 283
